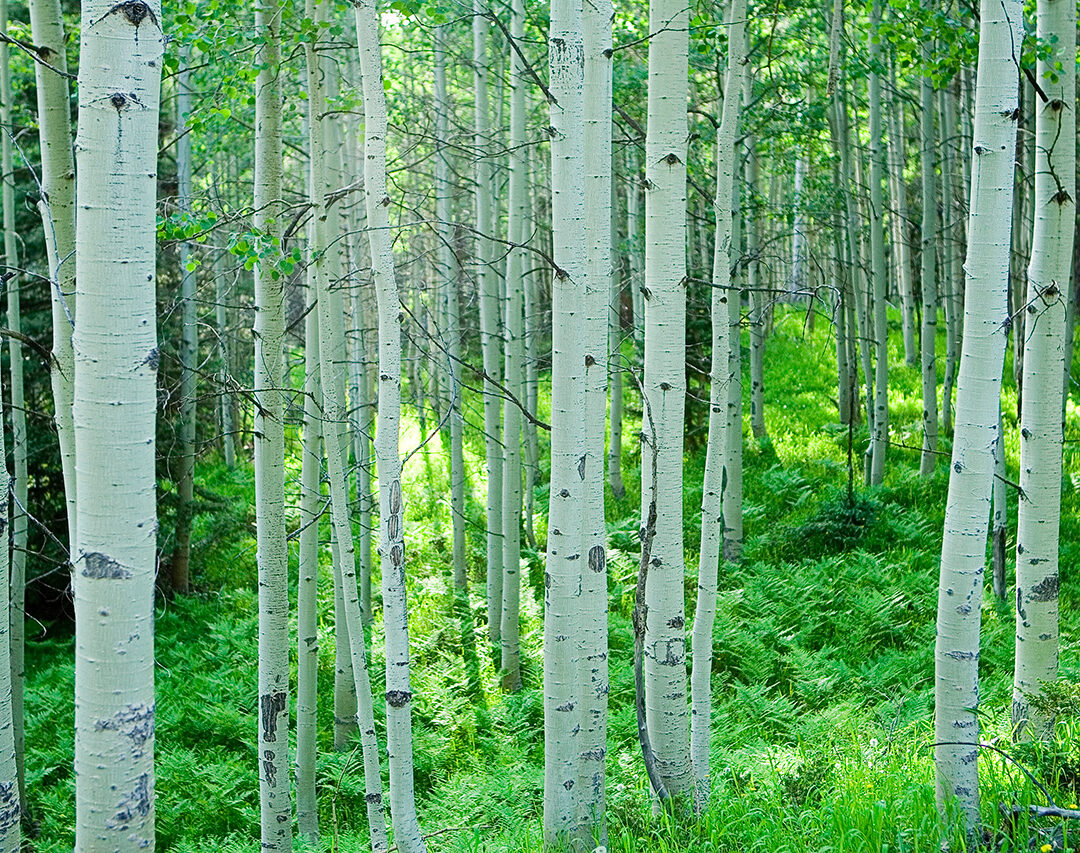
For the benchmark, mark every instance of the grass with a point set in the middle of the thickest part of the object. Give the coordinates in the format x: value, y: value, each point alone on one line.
x: 822, y: 672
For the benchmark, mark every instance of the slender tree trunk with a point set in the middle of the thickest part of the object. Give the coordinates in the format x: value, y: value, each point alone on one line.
x: 733, y: 435
x: 967, y: 512
x: 880, y: 439
x: 614, y: 361
x: 272, y: 556
x: 532, y: 386
x: 490, y: 330
x: 307, y: 635
x: 902, y: 250
x: 16, y: 618
x: 665, y: 390
x: 116, y: 359
x: 11, y: 799
x: 515, y: 364
x: 634, y: 248
x: 928, y: 275
x: 57, y: 208
x: 189, y: 344
x: 724, y: 299
x: 1049, y: 286
x: 797, y: 280
x: 565, y: 569
x: 597, y: 16
x: 758, y: 297
x: 952, y: 241
x: 999, y: 527
x: 391, y: 508
x: 221, y: 318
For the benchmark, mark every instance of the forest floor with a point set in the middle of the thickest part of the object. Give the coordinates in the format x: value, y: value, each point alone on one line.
x: 822, y: 674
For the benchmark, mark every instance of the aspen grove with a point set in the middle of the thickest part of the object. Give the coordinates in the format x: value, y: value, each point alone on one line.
x: 535, y: 426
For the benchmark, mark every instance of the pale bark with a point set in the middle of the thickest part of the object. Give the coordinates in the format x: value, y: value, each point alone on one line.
x: 388, y: 461
x: 1049, y: 285
x: 952, y: 245
x: 565, y: 566
x: 724, y: 302
x: 221, y: 318
x: 189, y: 344
x: 307, y: 634
x: 967, y: 512
x: 532, y: 388
x: 116, y: 359
x: 597, y: 16
x: 634, y: 249
x: 664, y: 388
x: 272, y: 553
x: 11, y: 797
x: 753, y: 280
x: 490, y: 325
x: 514, y: 346
x: 880, y: 434
x: 57, y: 208
x: 901, y: 248
x: 16, y: 617
x: 999, y: 525
x: 331, y: 326
x: 797, y: 279
x: 615, y: 365
x: 732, y: 499
x: 928, y: 275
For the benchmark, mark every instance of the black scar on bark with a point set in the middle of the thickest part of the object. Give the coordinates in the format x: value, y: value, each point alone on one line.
x: 9, y: 806
x: 271, y: 705
x: 100, y: 566
x: 373, y: 799
x: 118, y: 100
x: 136, y: 804
x: 135, y: 722
x: 269, y: 770
x: 136, y: 11
x: 676, y: 622
x: 1046, y: 589
x: 398, y: 698
x: 581, y: 467
x: 396, y: 556
x: 597, y: 558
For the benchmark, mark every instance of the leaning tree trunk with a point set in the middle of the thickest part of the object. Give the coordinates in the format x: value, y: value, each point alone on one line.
x: 189, y: 343
x: 664, y: 388
x: 116, y: 360
x: 565, y: 568
x: 387, y: 459
x: 1048, y: 291
x: 986, y: 313
x: 725, y: 299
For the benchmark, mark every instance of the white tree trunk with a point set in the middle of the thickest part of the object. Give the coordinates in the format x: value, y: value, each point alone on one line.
x: 1000, y: 521
x: 16, y: 618
x: 490, y: 326
x: 566, y: 565
x: 665, y: 390
x: 901, y: 250
x: 880, y: 436
x: 391, y: 500
x: 11, y: 799
x: 753, y: 282
x: 724, y: 298
x: 986, y: 311
x: 634, y: 247
x: 272, y: 553
x: 221, y: 319
x: 1049, y: 287
x: 116, y: 359
x: 797, y: 280
x: 515, y: 363
x: 928, y: 275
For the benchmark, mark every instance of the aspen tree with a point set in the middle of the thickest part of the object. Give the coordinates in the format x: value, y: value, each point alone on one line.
x: 331, y: 329
x: 189, y: 342
x: 272, y: 553
x: 897, y: 150
x: 57, y: 209
x: 664, y: 390
x: 11, y: 797
x: 221, y: 319
x: 490, y: 331
x: 116, y: 359
x: 634, y: 255
x: 388, y: 461
x: 928, y: 272
x: 1049, y: 283
x: 999, y: 527
x: 566, y: 565
x: 515, y: 364
x: 448, y: 268
x: 880, y: 436
x: 797, y: 279
x: 952, y: 261
x: 732, y: 492
x: 532, y: 387
x: 597, y: 17
x: 753, y: 279
x: 724, y: 298
x: 614, y: 359
x: 16, y: 597
x: 307, y: 634
x: 967, y: 511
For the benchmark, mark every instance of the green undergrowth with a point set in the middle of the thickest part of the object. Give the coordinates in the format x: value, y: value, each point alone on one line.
x: 822, y: 661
